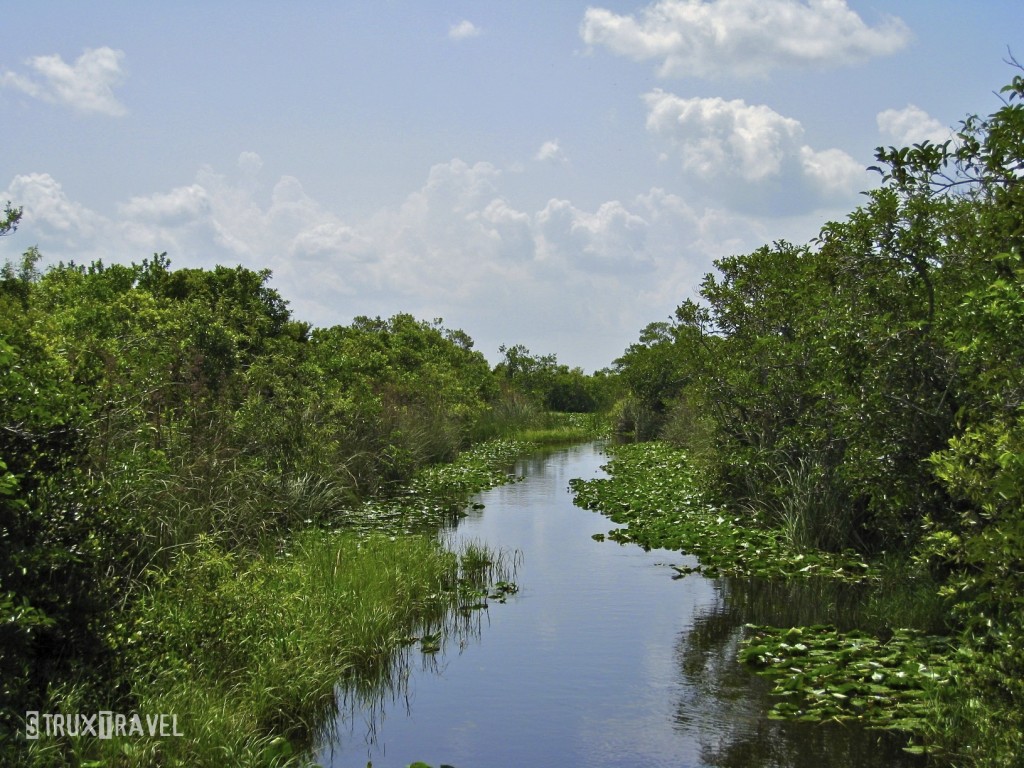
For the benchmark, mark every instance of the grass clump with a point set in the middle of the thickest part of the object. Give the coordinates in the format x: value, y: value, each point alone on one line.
x: 564, y: 428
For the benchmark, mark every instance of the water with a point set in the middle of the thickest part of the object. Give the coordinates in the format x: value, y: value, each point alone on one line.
x: 601, y: 659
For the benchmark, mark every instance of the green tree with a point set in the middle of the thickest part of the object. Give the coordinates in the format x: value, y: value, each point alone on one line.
x: 982, y: 467
x: 548, y: 383
x: 11, y: 217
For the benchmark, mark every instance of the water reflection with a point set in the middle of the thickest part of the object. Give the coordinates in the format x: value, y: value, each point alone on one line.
x: 370, y: 692
x: 727, y: 711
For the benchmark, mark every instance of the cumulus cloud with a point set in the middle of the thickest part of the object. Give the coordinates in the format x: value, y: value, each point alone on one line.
x: 46, y: 206
x: 911, y: 125
x: 178, y: 205
x: 550, y: 151
x: 463, y: 30
x: 250, y: 163
x: 610, y: 238
x: 714, y: 136
x: 832, y: 170
x: 742, y: 38
x: 735, y: 148
x: 86, y: 86
x: 559, y: 277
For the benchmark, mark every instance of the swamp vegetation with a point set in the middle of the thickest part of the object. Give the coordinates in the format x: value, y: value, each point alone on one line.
x: 212, y: 509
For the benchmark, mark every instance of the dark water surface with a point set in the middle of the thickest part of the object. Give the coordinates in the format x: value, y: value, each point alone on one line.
x: 601, y: 660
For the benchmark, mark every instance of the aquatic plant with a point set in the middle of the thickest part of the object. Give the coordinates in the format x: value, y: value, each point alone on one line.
x: 822, y: 674
x: 653, y: 490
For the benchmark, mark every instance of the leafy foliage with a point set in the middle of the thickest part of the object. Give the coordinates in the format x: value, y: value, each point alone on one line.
x: 553, y: 386
x: 822, y: 674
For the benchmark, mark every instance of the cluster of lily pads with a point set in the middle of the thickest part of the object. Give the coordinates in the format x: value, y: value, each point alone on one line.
x: 484, y: 466
x: 822, y: 674
x: 653, y: 492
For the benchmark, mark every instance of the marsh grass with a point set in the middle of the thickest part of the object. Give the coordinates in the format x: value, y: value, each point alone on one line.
x: 565, y: 428
x: 507, y: 415
x: 806, y: 503
x: 251, y: 654
x: 224, y: 498
x: 516, y: 416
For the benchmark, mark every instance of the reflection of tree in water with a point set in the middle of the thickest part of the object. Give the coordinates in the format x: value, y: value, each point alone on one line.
x: 724, y: 706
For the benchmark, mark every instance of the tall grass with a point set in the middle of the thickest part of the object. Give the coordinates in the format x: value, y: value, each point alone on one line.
x: 506, y: 416
x: 249, y: 654
x: 806, y: 501
x: 563, y: 428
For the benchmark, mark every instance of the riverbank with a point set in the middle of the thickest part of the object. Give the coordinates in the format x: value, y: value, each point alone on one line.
x: 601, y: 656
x: 886, y: 671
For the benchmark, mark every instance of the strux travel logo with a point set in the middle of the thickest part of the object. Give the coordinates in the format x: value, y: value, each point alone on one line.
x: 101, y: 725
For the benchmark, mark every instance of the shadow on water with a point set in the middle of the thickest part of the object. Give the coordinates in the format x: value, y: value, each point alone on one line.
x: 726, y: 703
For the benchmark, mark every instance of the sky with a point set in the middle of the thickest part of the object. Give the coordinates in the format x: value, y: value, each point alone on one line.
x: 552, y: 174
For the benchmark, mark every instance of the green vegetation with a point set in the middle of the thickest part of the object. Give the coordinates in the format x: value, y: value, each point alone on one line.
x: 653, y: 490
x: 248, y: 655
x: 555, y: 387
x: 565, y: 428
x: 859, y: 400
x: 211, y: 509
x: 822, y: 674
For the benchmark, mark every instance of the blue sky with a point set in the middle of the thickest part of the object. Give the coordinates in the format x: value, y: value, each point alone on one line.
x: 554, y: 174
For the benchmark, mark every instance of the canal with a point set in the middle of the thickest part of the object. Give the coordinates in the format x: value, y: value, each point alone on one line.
x: 604, y: 658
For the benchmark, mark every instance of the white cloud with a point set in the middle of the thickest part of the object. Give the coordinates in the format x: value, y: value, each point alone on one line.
x: 550, y: 151
x: 716, y: 137
x: 463, y: 30
x: 331, y: 238
x: 832, y: 170
x: 750, y: 155
x: 742, y: 38
x: 912, y: 125
x: 46, y: 207
x: 610, y: 238
x: 577, y: 280
x: 86, y: 86
x: 460, y: 185
x: 178, y: 205
x: 250, y: 163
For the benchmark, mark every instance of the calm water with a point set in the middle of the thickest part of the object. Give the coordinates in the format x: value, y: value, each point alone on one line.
x: 602, y: 659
